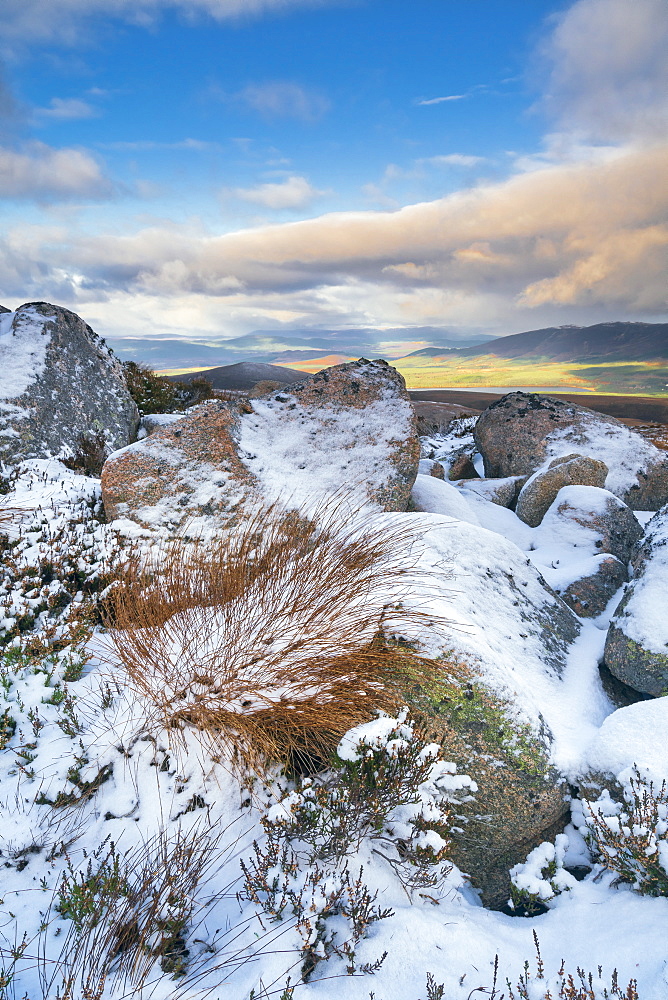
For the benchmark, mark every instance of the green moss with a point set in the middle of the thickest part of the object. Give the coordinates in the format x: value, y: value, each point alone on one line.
x: 480, y: 718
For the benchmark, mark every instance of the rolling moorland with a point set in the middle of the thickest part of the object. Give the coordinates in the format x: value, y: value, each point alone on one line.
x: 612, y: 358
x: 625, y: 358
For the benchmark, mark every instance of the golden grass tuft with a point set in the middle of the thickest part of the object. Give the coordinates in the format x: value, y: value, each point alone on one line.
x: 271, y: 640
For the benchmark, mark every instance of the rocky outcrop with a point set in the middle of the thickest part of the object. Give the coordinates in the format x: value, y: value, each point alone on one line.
x: 348, y: 431
x: 501, y: 664
x: 521, y: 800
x: 522, y: 432
x: 540, y: 489
x: 636, y: 648
x: 61, y: 389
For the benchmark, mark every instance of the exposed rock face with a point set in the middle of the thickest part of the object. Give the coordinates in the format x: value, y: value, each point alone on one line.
x: 503, y: 492
x: 351, y: 428
x: 636, y: 649
x: 462, y: 467
x: 184, y: 470
x: 59, y: 386
x: 589, y: 596
x: 521, y: 801
x: 540, y: 489
x: 522, y: 432
x: 501, y: 668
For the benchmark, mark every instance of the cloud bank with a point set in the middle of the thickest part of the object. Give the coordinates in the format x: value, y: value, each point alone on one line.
x: 590, y: 235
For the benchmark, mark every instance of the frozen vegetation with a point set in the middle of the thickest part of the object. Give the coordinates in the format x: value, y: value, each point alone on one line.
x: 216, y: 779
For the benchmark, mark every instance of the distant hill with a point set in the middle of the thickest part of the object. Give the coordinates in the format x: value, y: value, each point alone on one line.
x: 603, y: 341
x: 438, y: 352
x: 243, y: 376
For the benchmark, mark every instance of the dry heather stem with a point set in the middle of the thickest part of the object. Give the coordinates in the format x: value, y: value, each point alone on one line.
x: 270, y: 641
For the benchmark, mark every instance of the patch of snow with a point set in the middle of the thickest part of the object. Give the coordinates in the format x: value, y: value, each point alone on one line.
x: 623, y: 450
x: 625, y: 739
x: 23, y: 344
x: 438, y: 497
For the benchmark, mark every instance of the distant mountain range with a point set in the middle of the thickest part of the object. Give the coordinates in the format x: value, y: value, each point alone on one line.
x: 609, y: 342
x: 603, y: 341
x: 270, y: 346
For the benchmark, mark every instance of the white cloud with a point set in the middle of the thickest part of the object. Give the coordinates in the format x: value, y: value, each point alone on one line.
x: 142, y: 145
x: 441, y: 100
x: 573, y: 240
x: 453, y: 160
x: 608, y: 69
x: 64, y: 109
x: 66, y: 21
x: 41, y: 173
x: 293, y: 192
x: 284, y: 99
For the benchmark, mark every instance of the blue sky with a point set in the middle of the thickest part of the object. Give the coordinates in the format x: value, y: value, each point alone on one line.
x: 203, y: 169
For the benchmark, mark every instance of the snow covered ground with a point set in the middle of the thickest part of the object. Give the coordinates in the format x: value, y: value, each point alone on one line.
x: 90, y: 804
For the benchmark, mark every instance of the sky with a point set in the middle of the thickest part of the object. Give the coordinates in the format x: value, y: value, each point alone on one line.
x: 427, y: 172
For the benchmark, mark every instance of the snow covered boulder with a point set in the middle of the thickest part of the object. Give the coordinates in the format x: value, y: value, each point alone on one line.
x: 497, y: 708
x: 592, y: 518
x: 628, y: 737
x: 636, y: 649
x: 583, y: 545
x: 522, y: 433
x: 183, y: 471
x: 436, y: 496
x: 61, y: 389
x: 503, y: 492
x: 348, y: 428
x: 539, y: 491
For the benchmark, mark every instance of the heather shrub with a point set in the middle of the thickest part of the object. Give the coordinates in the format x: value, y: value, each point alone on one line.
x: 630, y: 838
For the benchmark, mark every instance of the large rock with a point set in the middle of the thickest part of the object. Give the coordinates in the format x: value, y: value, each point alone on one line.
x: 594, y: 519
x: 350, y: 428
x: 61, y: 389
x: 498, y: 698
x: 636, y: 648
x: 522, y: 432
x: 539, y: 491
x: 348, y: 431
x: 183, y: 471
x: 583, y: 545
x: 590, y: 595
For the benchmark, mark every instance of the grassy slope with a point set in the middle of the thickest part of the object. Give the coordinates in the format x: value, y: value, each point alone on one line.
x: 646, y: 378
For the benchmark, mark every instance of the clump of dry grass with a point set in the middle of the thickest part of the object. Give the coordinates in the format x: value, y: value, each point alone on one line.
x: 271, y: 640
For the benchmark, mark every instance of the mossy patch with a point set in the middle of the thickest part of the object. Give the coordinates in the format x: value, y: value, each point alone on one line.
x: 481, y: 719
x: 520, y: 800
